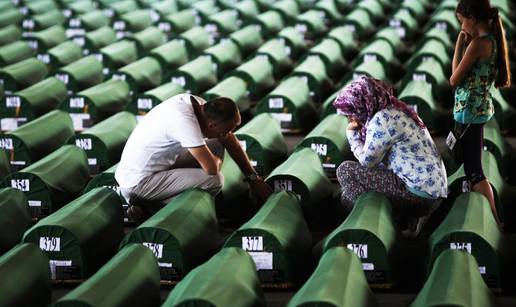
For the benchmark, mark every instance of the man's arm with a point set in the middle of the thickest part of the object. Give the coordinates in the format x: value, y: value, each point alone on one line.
x: 209, y: 162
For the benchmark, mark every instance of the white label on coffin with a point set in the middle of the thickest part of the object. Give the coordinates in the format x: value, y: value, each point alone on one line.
x: 144, y: 103
x: 24, y: 10
x: 282, y: 117
x: 18, y: 163
x: 78, y: 120
x: 179, y: 80
x: 320, y: 149
x: 99, y: 57
x: 419, y: 77
x: 441, y: 26
x: 276, y: 103
x: 8, y: 124
x: 84, y: 144
x: 402, y: 32
x: 34, y: 203
x: 33, y: 44
x: 282, y: 185
x: 328, y: 165
x: 394, y: 23
x: 75, y: 32
x: 74, y: 23
x: 67, y: 13
x: 6, y: 144
x: 45, y: 58
x: 63, y: 78
x: 368, y: 266
x: 212, y: 28
x: 351, y: 28
x: 28, y: 24
x: 301, y: 27
x: 156, y: 248
x: 263, y: 260
x: 461, y: 246
x: 92, y: 161
x: 370, y: 58
x: 119, y: 77
x: 165, y: 26
x: 359, y: 249
x: 252, y: 243
x: 21, y: 184
x: 77, y: 102
x: 164, y: 264
x: 155, y: 16
x: 58, y: 263
x: 119, y: 25
x: 50, y: 244
x: 12, y: 101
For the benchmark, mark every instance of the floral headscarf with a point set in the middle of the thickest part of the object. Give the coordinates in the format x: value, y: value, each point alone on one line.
x: 365, y: 96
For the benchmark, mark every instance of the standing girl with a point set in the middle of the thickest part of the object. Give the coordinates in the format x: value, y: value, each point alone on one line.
x: 480, y: 60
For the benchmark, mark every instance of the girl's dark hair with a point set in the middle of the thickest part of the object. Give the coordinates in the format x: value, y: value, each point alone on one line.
x: 482, y: 11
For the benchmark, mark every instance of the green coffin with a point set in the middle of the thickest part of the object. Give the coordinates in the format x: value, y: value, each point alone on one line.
x: 328, y: 139
x: 418, y: 93
x: 258, y: 72
x: 97, y: 103
x: 163, y: 8
x: 432, y: 71
x: 416, y: 8
x: 142, y: 75
x: 25, y: 277
x: 372, y: 68
x: 279, y: 53
x: 205, y: 9
x: 393, y: 37
x: 14, y: 53
x: 359, y: 22
x: 73, y: 8
x: 291, y: 105
x: 330, y: 52
x: 431, y: 49
x: 374, y: 8
x: 81, y: 74
x: 311, y: 24
x: 496, y: 144
x: 247, y: 9
x: 104, y: 142
x: 11, y: 17
x: 337, y: 281
x: 234, y: 190
x: 330, y: 10
x: 171, y: 56
x: 9, y: 34
x: 90, y: 21
x: 327, y: 107
x: 370, y: 233
x: 14, y: 220
x: 406, y: 21
x: 313, y: 69
x: 46, y: 189
x: 381, y: 51
x: 33, y: 101
x: 118, y: 54
x: 197, y: 40
x: 5, y: 164
x: 23, y: 74
x: 80, y: 236
x: 115, y: 9
x: 234, y: 88
x: 247, y: 39
x: 445, y: 20
x: 133, y: 272
x: 179, y: 234
x: 46, y: 39
x: 303, y: 175
x: 263, y: 142
x: 455, y: 281
x: 38, y: 138
x: 270, y: 22
x: 197, y: 75
x: 230, y: 271
x: 278, y: 240
x: 147, y: 39
x: 295, y: 40
x: 100, y: 38
x: 226, y: 55
x: 223, y: 23
x: 505, y: 113
x: 179, y: 22
x: 39, y: 7
x: 344, y: 36
x: 471, y: 227
x: 141, y: 104
x: 43, y: 21
x: 62, y: 55
x: 133, y: 21
x: 440, y: 35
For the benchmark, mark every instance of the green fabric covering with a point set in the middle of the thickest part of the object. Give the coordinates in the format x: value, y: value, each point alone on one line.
x: 373, y: 69
x: 471, y: 227
x: 142, y: 75
x: 179, y: 22
x: 303, y: 175
x: 44, y: 21
x: 78, y: 8
x: 98, y: 102
x: 118, y: 8
x: 6, y: 5
x: 248, y: 39
x: 164, y: 8
x: 171, y: 56
x: 25, y: 277
x: 143, y: 103
x: 311, y: 24
x: 504, y: 194
x: 494, y: 142
x: 234, y: 187
x: 141, y: 289
x: 119, y: 54
x: 22, y: 74
x: 104, y: 142
x: 105, y: 179
x: 180, y: 233
x: 99, y: 38
x: 226, y: 55
x: 81, y: 74
x: 418, y: 93
x: 359, y: 22
x: 46, y: 39
x: 14, y: 220
x: 431, y: 48
x: 344, y: 37
x: 330, y: 52
x: 313, y: 68
x: 231, y: 268
x: 327, y: 106
x: 446, y: 20
x: 279, y: 55
x: 35, y: 100
x: 46, y: 189
x: 416, y: 8
x: 11, y: 17
x: 224, y: 22
x: 14, y: 52
x: 247, y: 9
x: 258, y: 72
x: 93, y: 20
x: 5, y: 165
x: 133, y: 21
x: 382, y: 51
x: 295, y: 40
x: 38, y: 138
x: 86, y: 230
x: 409, y: 23
x: 439, y: 35
x: 368, y: 231
x: 197, y: 75
x: 432, y: 71
x: 290, y: 104
x: 41, y: 6
x: 455, y: 281
x: 338, y: 280
x: 234, y: 88
x: 270, y: 23
x: 373, y: 7
x: 9, y: 34
x: 329, y: 141
x: 148, y: 39
x: 205, y: 8
x: 505, y: 113
x: 263, y: 142
x: 197, y: 39
x: 64, y: 54
x: 330, y: 10
x: 391, y: 36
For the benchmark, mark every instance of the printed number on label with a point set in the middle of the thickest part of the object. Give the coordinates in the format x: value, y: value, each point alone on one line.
x: 50, y: 244
x: 359, y: 249
x: 252, y: 243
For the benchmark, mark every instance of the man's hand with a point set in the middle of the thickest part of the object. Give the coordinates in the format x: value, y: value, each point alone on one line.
x: 260, y: 189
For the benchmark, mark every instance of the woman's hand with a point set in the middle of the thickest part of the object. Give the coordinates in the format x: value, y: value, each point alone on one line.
x: 354, y: 125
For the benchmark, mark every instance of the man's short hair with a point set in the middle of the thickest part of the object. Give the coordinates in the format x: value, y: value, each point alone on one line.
x: 220, y: 109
